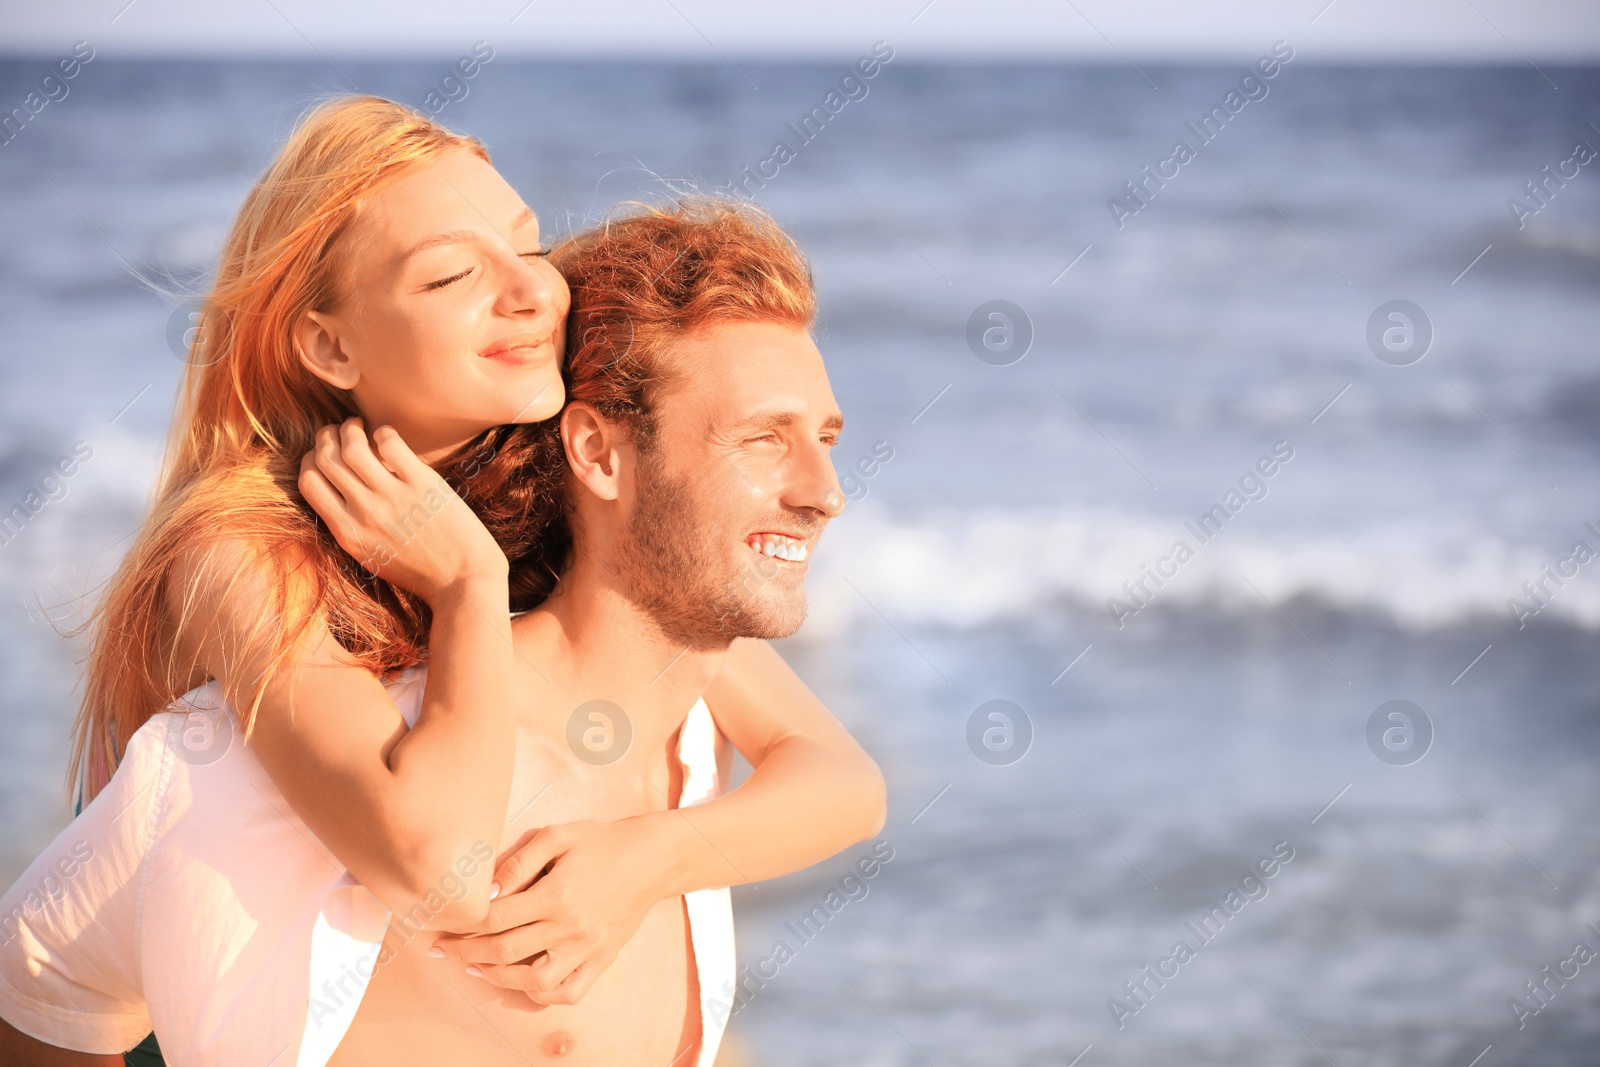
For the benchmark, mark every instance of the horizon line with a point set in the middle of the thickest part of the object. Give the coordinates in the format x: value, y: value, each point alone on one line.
x: 420, y: 53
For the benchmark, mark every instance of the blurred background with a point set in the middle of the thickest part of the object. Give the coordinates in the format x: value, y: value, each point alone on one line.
x: 1050, y: 377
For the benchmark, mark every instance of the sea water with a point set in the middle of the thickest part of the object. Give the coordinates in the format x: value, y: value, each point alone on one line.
x: 1009, y: 508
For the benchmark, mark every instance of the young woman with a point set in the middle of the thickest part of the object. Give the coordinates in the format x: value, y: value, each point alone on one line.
x: 382, y: 270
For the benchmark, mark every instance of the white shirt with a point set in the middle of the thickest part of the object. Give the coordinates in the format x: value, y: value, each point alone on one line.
x: 189, y: 899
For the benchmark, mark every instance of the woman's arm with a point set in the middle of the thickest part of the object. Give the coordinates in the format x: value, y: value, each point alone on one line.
x: 393, y: 805
x: 812, y: 792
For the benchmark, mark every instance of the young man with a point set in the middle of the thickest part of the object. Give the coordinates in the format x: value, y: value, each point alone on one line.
x: 697, y: 434
x: 698, y: 480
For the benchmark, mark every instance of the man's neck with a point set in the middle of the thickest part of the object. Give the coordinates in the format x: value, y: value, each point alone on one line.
x: 599, y: 642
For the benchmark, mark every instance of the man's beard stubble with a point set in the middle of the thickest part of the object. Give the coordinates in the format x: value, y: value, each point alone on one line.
x: 679, y: 573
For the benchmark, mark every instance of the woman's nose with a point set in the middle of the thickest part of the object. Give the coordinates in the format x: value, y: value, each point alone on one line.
x: 535, y: 287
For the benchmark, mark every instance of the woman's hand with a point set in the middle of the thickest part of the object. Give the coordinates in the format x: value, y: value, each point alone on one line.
x: 812, y: 792
x: 394, y: 513
x: 570, y: 897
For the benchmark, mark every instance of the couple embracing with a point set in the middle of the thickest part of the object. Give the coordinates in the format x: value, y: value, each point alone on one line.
x: 455, y: 594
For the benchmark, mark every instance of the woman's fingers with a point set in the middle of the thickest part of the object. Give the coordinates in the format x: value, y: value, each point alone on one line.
x: 577, y: 984
x: 357, y: 454
x: 544, y: 980
x: 324, y: 499
x: 517, y: 909
x: 507, y: 913
x: 398, y: 457
x: 308, y: 465
x: 401, y: 519
x: 527, y: 862
x: 327, y: 502
x: 330, y: 461
x: 569, y: 990
x: 515, y: 945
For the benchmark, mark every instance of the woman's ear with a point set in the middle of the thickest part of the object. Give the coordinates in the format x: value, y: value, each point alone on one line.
x: 592, y: 444
x: 317, y: 342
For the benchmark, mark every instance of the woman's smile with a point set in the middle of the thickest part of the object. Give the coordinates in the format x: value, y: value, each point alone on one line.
x: 522, y: 351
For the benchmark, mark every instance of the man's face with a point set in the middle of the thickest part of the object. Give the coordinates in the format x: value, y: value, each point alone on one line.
x: 735, y: 487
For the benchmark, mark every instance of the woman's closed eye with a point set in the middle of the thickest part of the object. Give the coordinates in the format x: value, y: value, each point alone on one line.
x: 442, y: 282
x: 540, y: 253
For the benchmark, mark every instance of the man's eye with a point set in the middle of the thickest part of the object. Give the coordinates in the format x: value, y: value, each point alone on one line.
x: 442, y: 282
x: 765, y: 437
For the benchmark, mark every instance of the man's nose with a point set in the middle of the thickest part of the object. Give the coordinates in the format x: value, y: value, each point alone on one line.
x: 816, y: 484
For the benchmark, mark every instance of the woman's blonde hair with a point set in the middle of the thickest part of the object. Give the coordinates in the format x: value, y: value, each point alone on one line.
x: 247, y: 411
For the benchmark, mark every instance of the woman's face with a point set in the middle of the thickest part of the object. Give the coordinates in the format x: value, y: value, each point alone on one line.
x: 449, y: 319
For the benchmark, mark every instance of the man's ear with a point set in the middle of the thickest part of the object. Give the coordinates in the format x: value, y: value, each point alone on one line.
x: 317, y: 342
x: 594, y: 448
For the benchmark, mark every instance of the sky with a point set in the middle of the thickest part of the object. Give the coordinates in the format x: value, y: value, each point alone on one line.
x: 1511, y: 31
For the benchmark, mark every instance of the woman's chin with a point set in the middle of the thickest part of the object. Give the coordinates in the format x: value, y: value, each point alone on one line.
x: 540, y: 409
x: 528, y: 398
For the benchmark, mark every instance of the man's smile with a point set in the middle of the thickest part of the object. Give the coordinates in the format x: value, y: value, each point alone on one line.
x: 787, y: 547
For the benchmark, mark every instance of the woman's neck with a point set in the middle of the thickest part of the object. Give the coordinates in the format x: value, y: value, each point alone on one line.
x: 432, y: 444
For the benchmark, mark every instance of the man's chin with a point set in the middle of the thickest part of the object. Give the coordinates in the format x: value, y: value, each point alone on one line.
x: 766, y: 622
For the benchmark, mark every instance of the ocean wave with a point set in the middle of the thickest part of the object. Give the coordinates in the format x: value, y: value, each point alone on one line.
x: 998, y: 566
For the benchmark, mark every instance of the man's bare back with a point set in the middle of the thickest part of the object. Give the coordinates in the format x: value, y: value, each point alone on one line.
x: 645, y: 1009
